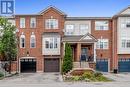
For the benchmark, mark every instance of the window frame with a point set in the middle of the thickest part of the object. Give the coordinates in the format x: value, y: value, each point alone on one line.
x: 32, y: 41
x: 67, y: 30
x: 22, y: 22
x: 82, y: 31
x: 51, y: 43
x: 21, y: 39
x: 100, y: 25
x: 51, y: 22
x: 102, y: 44
x: 33, y: 21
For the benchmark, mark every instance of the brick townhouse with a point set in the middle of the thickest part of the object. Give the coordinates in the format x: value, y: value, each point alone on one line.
x: 102, y: 43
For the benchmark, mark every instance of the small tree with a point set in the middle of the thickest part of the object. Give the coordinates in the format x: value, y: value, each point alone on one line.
x: 68, y: 60
x: 8, y: 40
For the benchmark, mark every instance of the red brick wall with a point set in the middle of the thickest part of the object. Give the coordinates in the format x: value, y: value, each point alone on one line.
x: 38, y: 31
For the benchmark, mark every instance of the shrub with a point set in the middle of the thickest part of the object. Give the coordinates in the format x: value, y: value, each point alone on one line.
x: 98, y: 74
x: 67, y: 61
x: 1, y: 74
x: 87, y: 75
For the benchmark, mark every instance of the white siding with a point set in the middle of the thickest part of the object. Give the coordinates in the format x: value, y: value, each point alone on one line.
x: 121, y: 34
x: 51, y: 51
x: 77, y: 27
x: 127, y: 11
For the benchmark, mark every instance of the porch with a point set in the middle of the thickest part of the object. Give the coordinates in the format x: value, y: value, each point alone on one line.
x: 83, y: 50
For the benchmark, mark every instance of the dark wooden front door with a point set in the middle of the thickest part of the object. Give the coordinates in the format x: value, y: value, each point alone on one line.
x: 51, y: 65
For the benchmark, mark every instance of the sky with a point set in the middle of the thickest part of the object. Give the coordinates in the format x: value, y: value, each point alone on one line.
x: 83, y: 8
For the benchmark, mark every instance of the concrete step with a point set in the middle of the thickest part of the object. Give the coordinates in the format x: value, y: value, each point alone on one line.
x: 80, y: 65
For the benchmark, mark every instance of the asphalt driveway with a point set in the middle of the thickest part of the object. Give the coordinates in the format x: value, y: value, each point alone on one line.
x: 120, y: 77
x: 34, y: 78
x: 54, y: 80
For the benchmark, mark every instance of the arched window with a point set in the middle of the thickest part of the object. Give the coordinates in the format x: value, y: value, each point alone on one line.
x: 32, y: 41
x: 22, y: 41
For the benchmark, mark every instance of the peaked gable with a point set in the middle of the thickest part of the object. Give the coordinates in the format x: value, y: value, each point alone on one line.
x: 125, y: 11
x: 88, y: 36
x: 52, y: 8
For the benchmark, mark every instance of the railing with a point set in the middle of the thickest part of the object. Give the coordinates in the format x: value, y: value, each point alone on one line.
x: 86, y: 58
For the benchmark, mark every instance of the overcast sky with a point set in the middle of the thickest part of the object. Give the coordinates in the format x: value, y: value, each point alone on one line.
x: 86, y: 8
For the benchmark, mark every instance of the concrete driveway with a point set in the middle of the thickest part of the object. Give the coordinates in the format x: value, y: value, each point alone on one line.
x: 120, y: 77
x: 34, y: 78
x: 54, y: 80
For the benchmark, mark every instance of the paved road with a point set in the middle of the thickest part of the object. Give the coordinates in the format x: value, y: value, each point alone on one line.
x: 54, y: 80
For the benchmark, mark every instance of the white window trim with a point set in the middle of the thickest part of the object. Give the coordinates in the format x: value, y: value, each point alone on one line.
x: 22, y: 36
x: 22, y: 22
x: 53, y: 41
x: 126, y: 40
x: 83, y: 31
x: 103, y: 41
x: 98, y: 26
x: 67, y: 30
x: 32, y: 36
x: 31, y: 21
x: 55, y: 24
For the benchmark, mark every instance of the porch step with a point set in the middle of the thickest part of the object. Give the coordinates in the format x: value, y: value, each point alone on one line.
x: 80, y: 65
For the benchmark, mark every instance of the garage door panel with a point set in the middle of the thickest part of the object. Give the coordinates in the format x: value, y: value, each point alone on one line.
x: 51, y: 65
x: 124, y: 65
x: 102, y: 65
x: 28, y: 65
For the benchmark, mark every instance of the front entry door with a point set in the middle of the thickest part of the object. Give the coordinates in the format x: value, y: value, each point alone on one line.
x: 84, y: 54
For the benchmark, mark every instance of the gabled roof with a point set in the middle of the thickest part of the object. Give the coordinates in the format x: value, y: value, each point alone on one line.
x: 122, y: 12
x: 87, y: 38
x: 51, y: 7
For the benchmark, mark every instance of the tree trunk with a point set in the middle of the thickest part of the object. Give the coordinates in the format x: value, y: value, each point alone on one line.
x: 9, y: 66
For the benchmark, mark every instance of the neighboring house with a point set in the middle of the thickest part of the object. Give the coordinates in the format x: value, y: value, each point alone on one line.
x: 100, y: 41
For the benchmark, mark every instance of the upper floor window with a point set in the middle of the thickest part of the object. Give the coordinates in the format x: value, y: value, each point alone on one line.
x: 22, y: 22
x: 125, y: 43
x: 102, y: 44
x: 32, y: 41
x: 83, y: 28
x: 101, y: 25
x: 51, y: 24
x: 69, y: 29
x: 22, y: 41
x: 125, y: 23
x: 51, y: 43
x: 33, y: 22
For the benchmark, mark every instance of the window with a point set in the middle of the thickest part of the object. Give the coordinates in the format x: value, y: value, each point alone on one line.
x: 102, y: 44
x: 55, y: 43
x: 51, y: 24
x: 22, y: 41
x: 69, y: 29
x: 101, y: 25
x: 32, y: 41
x: 125, y: 23
x: 33, y: 22
x: 83, y: 28
x: 51, y: 43
x: 47, y: 44
x: 22, y: 22
x: 125, y: 43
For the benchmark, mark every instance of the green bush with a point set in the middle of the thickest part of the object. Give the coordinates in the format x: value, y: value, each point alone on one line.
x: 97, y: 74
x: 76, y: 78
x: 67, y: 61
x: 1, y: 74
x: 87, y: 75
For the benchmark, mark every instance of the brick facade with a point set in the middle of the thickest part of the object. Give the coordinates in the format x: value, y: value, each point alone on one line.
x: 110, y: 34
